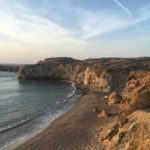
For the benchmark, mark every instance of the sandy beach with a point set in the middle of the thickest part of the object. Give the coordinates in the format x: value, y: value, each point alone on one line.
x: 70, y: 131
x: 73, y: 131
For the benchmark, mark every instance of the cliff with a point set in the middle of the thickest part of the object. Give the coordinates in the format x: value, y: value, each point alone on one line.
x: 9, y: 68
x: 122, y: 105
x: 105, y: 74
x: 133, y: 134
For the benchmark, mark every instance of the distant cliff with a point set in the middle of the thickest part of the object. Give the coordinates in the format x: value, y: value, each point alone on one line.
x: 9, y: 68
x: 105, y: 74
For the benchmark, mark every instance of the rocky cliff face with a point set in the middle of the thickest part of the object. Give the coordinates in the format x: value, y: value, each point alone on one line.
x: 97, y: 74
x: 137, y: 82
x: 81, y: 72
x: 133, y: 133
x: 124, y: 80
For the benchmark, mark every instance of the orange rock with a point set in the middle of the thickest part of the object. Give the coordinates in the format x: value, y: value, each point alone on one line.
x: 114, y: 98
x: 103, y: 114
x: 93, y: 109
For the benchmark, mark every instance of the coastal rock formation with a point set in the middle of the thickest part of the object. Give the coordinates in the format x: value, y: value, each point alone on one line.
x: 103, y: 113
x: 114, y: 98
x: 104, y: 74
x: 137, y: 82
x: 112, y: 81
x: 133, y: 134
x: 80, y: 72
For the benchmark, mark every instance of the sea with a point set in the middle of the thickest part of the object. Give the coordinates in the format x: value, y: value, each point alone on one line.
x: 28, y: 107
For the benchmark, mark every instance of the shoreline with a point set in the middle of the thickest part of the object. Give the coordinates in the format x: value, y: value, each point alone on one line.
x: 73, y: 130
x: 46, y: 121
x: 67, y: 130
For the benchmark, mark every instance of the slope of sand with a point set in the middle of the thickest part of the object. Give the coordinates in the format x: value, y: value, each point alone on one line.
x: 72, y: 131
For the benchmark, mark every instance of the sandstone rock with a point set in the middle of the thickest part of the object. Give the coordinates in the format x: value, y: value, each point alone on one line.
x: 125, y: 106
x: 103, y: 113
x: 114, y: 98
x: 104, y: 74
x: 133, y: 134
x: 107, y: 132
x: 94, y: 109
x: 136, y: 92
x: 78, y: 71
x: 137, y: 82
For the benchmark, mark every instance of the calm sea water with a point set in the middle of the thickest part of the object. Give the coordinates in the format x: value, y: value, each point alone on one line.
x: 27, y: 107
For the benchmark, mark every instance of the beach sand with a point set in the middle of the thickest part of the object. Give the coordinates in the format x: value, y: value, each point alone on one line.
x: 72, y: 131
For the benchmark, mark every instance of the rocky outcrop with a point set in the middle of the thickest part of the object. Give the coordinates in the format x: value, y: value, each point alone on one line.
x: 133, y: 133
x: 103, y: 113
x: 96, y: 74
x: 114, y: 98
x: 80, y: 72
x: 137, y: 82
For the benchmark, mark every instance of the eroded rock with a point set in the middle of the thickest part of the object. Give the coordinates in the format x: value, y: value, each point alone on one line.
x: 114, y: 98
x: 103, y: 113
x: 133, y: 134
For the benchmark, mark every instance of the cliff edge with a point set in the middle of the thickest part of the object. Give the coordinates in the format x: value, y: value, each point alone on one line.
x: 104, y: 74
x: 124, y: 104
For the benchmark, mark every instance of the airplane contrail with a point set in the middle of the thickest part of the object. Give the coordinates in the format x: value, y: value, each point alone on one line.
x: 123, y: 7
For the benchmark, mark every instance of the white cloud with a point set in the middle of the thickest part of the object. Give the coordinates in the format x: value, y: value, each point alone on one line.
x: 94, y: 24
x: 29, y: 29
x: 24, y: 33
x: 31, y: 37
x: 19, y: 23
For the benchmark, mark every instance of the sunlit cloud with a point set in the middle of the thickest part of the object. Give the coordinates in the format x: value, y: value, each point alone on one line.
x: 103, y: 22
x: 24, y: 31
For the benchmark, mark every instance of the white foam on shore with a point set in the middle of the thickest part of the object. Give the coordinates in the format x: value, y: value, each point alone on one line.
x: 44, y: 123
x: 73, y: 86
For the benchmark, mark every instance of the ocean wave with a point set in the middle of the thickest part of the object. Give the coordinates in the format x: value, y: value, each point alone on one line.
x: 73, y: 86
x: 42, y: 113
x: 44, y: 123
x: 16, y: 124
x: 69, y: 95
x: 4, y: 79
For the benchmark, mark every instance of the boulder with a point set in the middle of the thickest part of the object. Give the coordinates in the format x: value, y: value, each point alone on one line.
x: 114, y: 98
x: 103, y: 113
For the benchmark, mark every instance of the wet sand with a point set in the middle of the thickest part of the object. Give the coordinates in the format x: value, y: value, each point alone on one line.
x: 72, y: 131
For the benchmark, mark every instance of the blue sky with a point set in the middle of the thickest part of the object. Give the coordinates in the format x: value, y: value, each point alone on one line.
x: 31, y: 30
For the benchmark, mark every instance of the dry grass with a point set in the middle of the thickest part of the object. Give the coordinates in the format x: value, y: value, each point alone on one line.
x: 143, y: 102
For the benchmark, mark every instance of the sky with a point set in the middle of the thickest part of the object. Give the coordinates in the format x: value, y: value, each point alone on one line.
x: 31, y: 30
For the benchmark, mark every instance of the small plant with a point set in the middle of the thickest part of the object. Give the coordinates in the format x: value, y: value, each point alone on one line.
x: 142, y: 103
